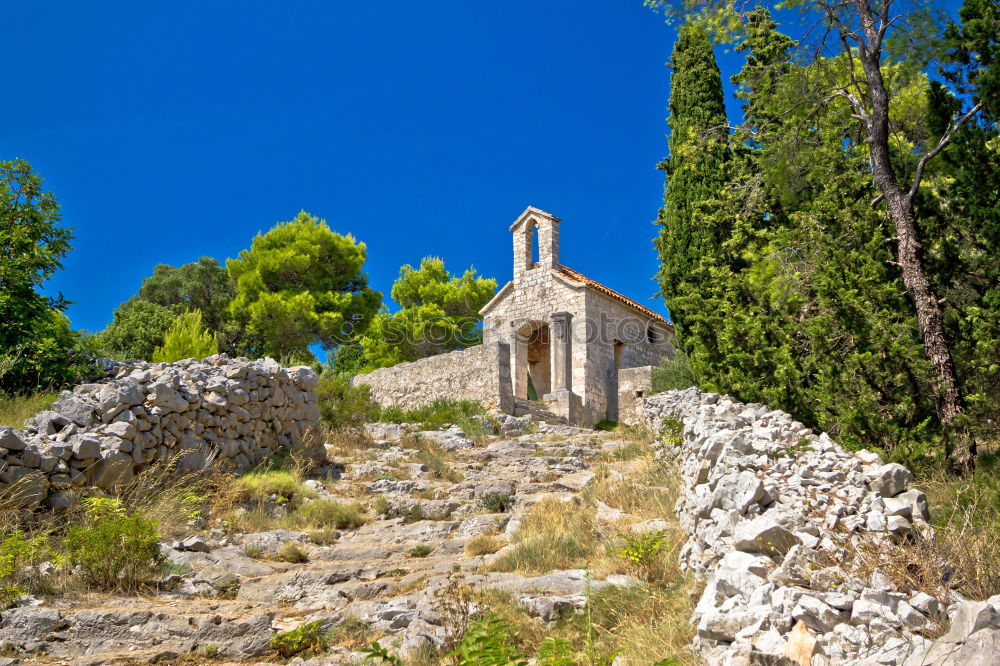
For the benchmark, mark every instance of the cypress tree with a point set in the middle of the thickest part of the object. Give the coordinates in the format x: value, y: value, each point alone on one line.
x: 695, y: 169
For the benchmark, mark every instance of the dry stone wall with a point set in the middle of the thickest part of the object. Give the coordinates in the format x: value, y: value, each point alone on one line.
x: 232, y: 411
x: 478, y: 373
x: 775, y: 515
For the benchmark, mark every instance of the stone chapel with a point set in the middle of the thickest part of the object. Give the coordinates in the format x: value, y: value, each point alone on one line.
x: 552, y: 339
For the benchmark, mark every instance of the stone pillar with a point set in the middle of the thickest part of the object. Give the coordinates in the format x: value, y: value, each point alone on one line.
x: 519, y: 364
x: 562, y: 351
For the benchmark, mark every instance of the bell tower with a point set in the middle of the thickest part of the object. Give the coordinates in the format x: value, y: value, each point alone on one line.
x: 536, y: 242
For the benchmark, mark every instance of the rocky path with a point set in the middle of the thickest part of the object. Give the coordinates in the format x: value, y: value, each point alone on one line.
x: 393, y: 577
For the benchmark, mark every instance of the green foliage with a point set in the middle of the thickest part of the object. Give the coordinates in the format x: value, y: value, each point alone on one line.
x: 342, y: 405
x: 292, y: 553
x: 19, y: 552
x: 36, y: 345
x: 695, y: 168
x: 307, y: 638
x: 496, y: 502
x: 202, y: 285
x: 641, y: 550
x: 555, y: 652
x: 438, y: 313
x: 673, y: 374
x: 300, y: 284
x: 186, y: 338
x: 423, y: 550
x: 488, y: 642
x: 435, y: 415
x: 330, y: 513
x: 260, y: 484
x: 115, y: 549
x: 137, y: 329
x: 376, y: 651
x: 14, y: 410
x: 783, y: 285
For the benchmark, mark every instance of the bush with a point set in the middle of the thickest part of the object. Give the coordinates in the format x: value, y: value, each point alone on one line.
x: 423, y: 550
x: 18, y: 553
x: 673, y: 374
x: 113, y: 548
x: 308, y: 637
x: 292, y: 553
x: 488, y: 641
x: 643, y: 551
x: 186, y: 338
x: 329, y: 513
x: 436, y: 415
x: 342, y: 405
x: 259, y: 485
x: 496, y: 502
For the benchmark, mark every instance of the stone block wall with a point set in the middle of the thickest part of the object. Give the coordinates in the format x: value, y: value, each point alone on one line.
x: 775, y: 516
x: 232, y: 411
x: 634, y: 385
x: 479, y: 373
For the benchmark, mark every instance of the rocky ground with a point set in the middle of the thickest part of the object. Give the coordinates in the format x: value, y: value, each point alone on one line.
x: 396, y: 578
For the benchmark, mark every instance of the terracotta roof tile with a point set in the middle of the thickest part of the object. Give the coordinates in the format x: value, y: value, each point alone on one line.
x: 570, y: 274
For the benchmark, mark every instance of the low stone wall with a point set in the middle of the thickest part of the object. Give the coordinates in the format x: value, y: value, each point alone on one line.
x: 478, y: 373
x: 634, y: 384
x: 232, y: 411
x: 774, y: 514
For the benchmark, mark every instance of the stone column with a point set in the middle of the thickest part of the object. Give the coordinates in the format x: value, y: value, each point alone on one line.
x: 519, y: 364
x: 562, y: 351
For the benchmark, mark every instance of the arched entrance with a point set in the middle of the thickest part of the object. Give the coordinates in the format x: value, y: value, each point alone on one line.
x: 534, y: 372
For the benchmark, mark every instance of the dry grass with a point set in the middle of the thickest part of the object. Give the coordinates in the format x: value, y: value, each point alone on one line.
x: 648, y: 489
x: 553, y: 535
x: 14, y: 409
x: 436, y: 458
x: 347, y: 442
x: 483, y: 544
x: 352, y: 633
x: 964, y: 552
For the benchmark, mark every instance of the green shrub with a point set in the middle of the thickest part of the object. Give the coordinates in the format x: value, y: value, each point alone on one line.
x: 309, y: 637
x: 18, y: 552
x: 113, y: 548
x: 328, y: 513
x: 673, y: 374
x: 259, y: 485
x: 436, y: 415
x: 496, y: 502
x: 423, y: 550
x: 292, y: 553
x: 488, y: 641
x: 186, y: 338
x: 342, y: 405
x: 641, y: 550
x: 606, y: 425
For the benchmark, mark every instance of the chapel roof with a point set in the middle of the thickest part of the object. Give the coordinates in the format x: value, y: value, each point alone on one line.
x: 573, y: 276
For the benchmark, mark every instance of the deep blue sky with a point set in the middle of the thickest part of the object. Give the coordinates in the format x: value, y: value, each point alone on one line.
x: 170, y: 131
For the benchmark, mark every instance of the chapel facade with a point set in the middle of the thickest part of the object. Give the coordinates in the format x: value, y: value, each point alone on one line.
x: 569, y: 337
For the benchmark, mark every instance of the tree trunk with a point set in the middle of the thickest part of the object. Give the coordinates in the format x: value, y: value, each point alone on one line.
x: 930, y: 320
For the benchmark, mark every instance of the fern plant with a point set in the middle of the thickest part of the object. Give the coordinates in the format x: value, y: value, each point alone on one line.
x: 488, y: 642
x: 555, y: 652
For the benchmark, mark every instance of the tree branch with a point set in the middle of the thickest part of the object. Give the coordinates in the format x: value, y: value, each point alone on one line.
x: 945, y: 140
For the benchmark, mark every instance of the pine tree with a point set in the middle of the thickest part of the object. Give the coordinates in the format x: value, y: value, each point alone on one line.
x: 186, y: 338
